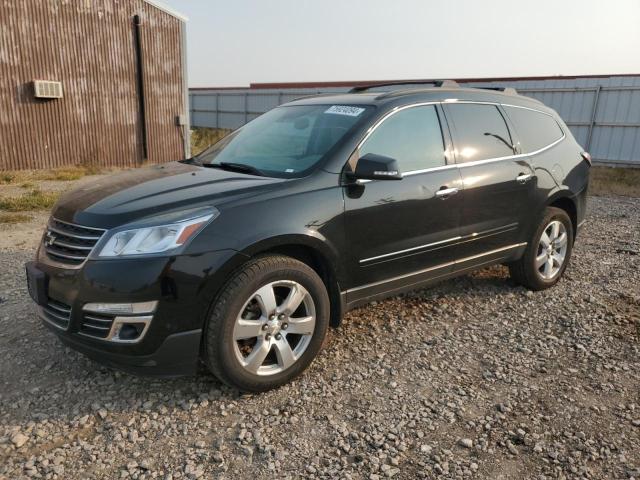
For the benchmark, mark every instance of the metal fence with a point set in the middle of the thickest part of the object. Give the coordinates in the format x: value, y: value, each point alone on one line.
x: 602, y: 112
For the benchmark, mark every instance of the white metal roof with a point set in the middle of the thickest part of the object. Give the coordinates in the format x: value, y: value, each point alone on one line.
x: 167, y: 9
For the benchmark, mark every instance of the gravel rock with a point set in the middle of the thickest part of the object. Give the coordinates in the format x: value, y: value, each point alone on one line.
x: 18, y: 439
x: 473, y: 378
x: 465, y: 442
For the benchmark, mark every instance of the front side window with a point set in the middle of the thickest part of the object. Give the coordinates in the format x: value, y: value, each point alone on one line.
x: 286, y: 141
x: 481, y: 132
x: 536, y: 130
x: 412, y: 136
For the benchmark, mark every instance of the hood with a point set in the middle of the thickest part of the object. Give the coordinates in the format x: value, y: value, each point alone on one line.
x: 130, y: 195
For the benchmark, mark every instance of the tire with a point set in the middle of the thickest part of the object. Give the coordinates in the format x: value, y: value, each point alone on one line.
x: 528, y: 271
x: 257, y: 300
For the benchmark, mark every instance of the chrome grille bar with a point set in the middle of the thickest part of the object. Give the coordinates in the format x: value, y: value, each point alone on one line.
x: 69, y: 244
x: 57, y: 314
x: 68, y: 234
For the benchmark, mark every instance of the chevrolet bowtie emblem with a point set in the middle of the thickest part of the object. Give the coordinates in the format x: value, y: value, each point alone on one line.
x: 50, y: 239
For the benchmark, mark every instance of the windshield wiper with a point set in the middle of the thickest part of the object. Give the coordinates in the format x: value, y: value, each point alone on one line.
x: 236, y: 167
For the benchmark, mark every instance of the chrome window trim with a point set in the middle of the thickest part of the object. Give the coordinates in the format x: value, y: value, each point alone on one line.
x: 456, y: 164
x: 512, y: 157
x: 526, y: 108
x: 432, y: 169
x: 435, y: 267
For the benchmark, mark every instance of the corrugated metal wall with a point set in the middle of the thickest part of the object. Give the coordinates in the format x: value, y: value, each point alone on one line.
x: 602, y: 112
x: 88, y: 45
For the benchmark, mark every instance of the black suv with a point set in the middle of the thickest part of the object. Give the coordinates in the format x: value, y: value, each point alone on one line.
x: 242, y: 256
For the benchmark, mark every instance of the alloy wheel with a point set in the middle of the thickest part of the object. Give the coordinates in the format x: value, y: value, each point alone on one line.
x: 552, y: 250
x: 274, y: 327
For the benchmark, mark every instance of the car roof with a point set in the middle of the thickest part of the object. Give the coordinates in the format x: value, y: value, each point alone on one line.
x: 417, y: 95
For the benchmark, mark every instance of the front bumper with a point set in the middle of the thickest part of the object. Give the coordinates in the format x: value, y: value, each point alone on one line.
x: 184, y: 287
x: 177, y: 355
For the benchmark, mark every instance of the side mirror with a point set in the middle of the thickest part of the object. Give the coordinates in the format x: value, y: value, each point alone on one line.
x: 377, y: 167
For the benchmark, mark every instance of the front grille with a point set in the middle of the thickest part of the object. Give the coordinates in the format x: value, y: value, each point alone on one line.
x: 96, y: 325
x: 69, y: 244
x: 57, y: 313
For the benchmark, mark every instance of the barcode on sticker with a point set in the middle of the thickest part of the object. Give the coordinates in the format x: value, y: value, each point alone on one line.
x: 345, y: 110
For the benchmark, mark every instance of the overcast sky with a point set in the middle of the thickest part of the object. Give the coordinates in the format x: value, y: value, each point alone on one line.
x: 237, y: 42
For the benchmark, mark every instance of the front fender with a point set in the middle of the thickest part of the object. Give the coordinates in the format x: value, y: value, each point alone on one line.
x: 308, y: 217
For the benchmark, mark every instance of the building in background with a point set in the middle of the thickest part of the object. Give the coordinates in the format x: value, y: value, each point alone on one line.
x: 602, y: 111
x: 91, y: 82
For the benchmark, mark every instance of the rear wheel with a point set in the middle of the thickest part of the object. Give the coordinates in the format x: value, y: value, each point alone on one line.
x: 548, y: 252
x: 267, y: 325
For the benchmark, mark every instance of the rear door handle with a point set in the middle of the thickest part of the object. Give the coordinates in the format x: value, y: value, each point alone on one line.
x: 523, y: 177
x: 445, y: 192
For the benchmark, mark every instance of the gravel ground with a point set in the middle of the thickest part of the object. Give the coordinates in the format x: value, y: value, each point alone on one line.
x: 474, y: 378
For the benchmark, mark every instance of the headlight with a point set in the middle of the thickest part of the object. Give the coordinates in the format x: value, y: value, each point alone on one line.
x: 156, y: 238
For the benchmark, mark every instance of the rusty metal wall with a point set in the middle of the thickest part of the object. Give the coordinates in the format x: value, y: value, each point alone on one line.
x: 88, y: 45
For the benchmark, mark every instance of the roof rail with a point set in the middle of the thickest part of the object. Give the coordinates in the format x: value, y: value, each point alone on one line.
x: 435, y: 83
x: 505, y: 90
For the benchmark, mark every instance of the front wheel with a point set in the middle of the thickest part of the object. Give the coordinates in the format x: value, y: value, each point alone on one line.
x: 267, y: 325
x: 548, y: 252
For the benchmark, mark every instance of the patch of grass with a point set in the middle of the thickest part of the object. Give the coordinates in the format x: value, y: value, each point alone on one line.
x: 32, y: 200
x: 13, y: 217
x: 65, y: 174
x: 202, y: 137
x: 7, y: 177
x: 615, y: 181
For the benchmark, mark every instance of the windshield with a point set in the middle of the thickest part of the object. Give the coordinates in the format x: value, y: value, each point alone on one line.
x: 286, y: 141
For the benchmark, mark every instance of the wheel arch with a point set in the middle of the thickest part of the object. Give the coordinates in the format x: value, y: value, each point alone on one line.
x: 313, y: 252
x: 564, y: 201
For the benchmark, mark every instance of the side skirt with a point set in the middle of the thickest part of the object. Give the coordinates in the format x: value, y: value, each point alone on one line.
x: 364, y: 294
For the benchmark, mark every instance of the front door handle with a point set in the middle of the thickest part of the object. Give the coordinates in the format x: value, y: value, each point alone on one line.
x: 523, y: 177
x: 445, y: 192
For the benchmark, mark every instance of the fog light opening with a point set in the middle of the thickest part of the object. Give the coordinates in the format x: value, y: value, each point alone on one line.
x: 130, y: 331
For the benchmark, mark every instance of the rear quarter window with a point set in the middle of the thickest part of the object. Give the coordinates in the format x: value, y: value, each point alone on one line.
x: 481, y: 132
x: 535, y: 129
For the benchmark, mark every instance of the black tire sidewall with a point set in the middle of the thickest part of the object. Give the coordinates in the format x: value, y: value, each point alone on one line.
x: 221, y: 348
x: 551, y: 214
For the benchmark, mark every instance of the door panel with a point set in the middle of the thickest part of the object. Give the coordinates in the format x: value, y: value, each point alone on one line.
x: 398, y: 227
x: 495, y: 204
x: 498, y: 182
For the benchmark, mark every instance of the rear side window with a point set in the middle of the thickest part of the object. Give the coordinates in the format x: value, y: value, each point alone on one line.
x: 412, y: 136
x: 536, y: 130
x: 481, y: 132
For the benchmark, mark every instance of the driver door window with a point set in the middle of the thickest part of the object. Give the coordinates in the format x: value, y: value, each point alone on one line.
x: 412, y: 136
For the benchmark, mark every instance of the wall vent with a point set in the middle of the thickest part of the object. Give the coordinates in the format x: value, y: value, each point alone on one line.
x: 47, y: 89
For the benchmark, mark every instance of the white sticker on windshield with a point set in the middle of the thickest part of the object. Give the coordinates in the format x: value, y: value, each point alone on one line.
x: 345, y: 110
